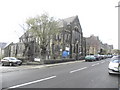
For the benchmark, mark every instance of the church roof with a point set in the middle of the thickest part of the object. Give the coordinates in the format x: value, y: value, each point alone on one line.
x: 64, y: 22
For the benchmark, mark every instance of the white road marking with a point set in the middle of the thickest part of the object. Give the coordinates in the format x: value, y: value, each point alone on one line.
x: 33, y: 82
x: 95, y: 64
x: 78, y: 69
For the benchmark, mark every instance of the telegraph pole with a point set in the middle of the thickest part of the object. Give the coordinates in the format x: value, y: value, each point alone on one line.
x: 118, y: 24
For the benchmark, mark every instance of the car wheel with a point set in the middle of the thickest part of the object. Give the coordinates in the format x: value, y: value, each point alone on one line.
x: 110, y: 73
x: 11, y: 64
x: 2, y: 64
x: 20, y: 64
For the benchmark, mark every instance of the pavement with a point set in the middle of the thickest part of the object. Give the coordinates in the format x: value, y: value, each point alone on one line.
x: 6, y: 69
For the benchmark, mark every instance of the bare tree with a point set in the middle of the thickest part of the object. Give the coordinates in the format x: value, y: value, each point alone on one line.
x: 24, y: 39
x: 43, y: 28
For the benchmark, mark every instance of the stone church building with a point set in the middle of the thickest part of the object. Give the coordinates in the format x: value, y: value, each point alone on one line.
x: 70, y: 38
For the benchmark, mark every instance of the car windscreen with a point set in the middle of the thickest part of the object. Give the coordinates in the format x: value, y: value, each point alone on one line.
x: 116, y: 57
x: 12, y: 58
x: 116, y: 61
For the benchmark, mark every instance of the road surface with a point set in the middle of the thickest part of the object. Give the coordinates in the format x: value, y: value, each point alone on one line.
x: 71, y: 75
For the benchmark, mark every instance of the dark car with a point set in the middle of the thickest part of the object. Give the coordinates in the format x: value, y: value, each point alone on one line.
x: 98, y: 57
x: 10, y: 61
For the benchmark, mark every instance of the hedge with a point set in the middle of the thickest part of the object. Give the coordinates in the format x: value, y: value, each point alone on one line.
x: 57, y: 61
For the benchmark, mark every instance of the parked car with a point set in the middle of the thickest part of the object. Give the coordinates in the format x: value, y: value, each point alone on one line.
x: 98, y: 57
x: 90, y: 58
x: 37, y: 59
x: 114, y: 66
x: 103, y: 56
x: 116, y: 57
x: 109, y: 56
x: 10, y: 61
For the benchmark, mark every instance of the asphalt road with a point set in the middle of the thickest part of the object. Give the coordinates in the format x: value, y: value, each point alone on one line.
x: 71, y: 75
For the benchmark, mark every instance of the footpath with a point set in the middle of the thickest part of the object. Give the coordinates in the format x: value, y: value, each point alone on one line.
x: 34, y: 65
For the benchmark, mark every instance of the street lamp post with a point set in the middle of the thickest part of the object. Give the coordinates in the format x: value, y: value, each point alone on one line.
x: 118, y: 23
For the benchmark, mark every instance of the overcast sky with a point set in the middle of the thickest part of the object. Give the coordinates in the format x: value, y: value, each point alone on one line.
x: 98, y: 17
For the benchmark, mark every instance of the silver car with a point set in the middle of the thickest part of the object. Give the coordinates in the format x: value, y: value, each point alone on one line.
x: 10, y: 61
x: 114, y: 66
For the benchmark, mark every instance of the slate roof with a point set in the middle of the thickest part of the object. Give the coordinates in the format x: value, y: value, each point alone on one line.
x: 64, y: 22
x: 2, y: 44
x: 70, y: 19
